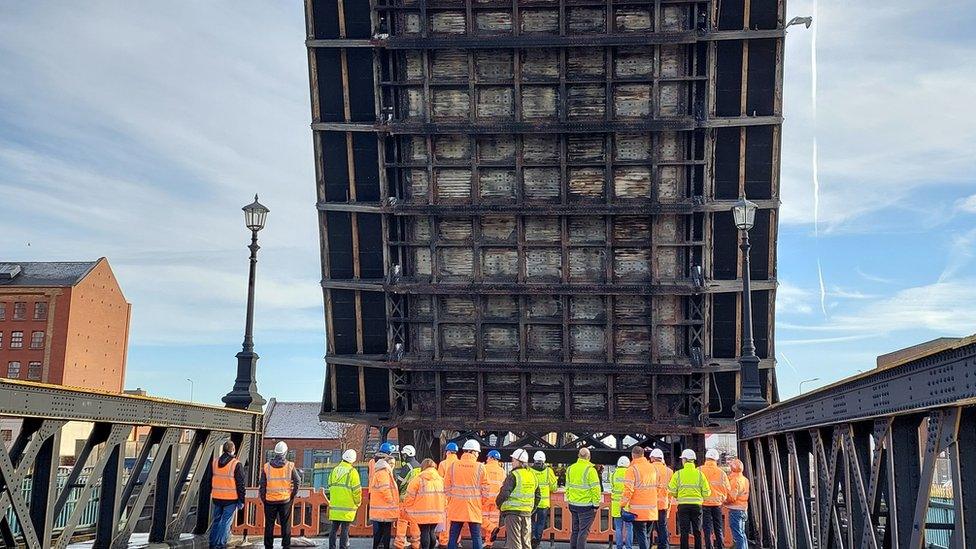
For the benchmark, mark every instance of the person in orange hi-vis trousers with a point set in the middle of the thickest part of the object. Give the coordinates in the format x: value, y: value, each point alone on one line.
x: 424, y: 503
x: 713, y: 522
x: 640, y: 496
x: 494, y: 478
x: 450, y: 456
x: 663, y: 497
x: 464, y: 485
x: 384, y: 502
x: 738, y: 504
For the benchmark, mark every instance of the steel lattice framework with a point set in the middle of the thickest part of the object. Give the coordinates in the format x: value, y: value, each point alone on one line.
x: 853, y: 464
x: 181, y: 441
x: 524, y: 209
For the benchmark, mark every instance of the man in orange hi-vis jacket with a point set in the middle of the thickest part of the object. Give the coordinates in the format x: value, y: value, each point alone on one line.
x: 494, y: 478
x: 713, y: 522
x: 640, y: 496
x: 464, y: 486
x: 424, y: 503
x: 384, y: 502
x: 663, y: 497
x: 450, y: 456
x: 738, y: 504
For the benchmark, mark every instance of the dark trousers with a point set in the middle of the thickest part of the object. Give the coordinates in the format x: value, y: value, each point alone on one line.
x: 539, y: 517
x: 662, y: 530
x: 454, y: 534
x: 642, y: 533
x: 713, y: 523
x: 582, y: 516
x: 428, y: 537
x: 280, y: 512
x: 340, y: 528
x: 382, y: 533
x: 690, y: 522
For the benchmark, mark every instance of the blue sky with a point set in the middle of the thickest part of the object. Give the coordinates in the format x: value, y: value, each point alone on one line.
x: 136, y: 131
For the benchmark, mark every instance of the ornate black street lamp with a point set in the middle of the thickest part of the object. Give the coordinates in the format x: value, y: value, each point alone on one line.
x: 245, y: 395
x: 751, y: 398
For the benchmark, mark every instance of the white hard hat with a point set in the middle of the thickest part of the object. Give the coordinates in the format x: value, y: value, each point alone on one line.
x: 349, y: 456
x: 520, y: 455
x: 657, y: 453
x: 472, y: 445
x: 539, y: 456
x: 281, y: 448
x: 712, y: 453
x: 409, y: 451
x: 688, y: 453
x: 624, y: 461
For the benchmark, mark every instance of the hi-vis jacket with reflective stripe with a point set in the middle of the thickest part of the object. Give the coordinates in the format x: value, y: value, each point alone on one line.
x: 464, y: 485
x: 617, y: 491
x: 640, y: 490
x: 689, y: 486
x: 739, y: 495
x: 345, y: 493
x: 384, y: 496
x: 718, y: 481
x: 494, y: 477
x: 663, y: 479
x: 278, y: 482
x: 224, y: 486
x: 547, y: 485
x: 424, y: 501
x: 583, y: 484
x: 522, y: 498
x: 445, y: 464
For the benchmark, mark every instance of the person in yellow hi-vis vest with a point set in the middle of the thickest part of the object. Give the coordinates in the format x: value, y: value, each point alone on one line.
x: 278, y: 485
x: 584, y: 494
x: 623, y: 530
x: 345, y: 497
x: 689, y: 487
x: 517, y: 500
x: 547, y: 485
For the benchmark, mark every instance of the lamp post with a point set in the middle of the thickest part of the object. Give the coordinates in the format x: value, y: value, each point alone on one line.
x: 811, y: 380
x: 245, y: 395
x: 191, y: 388
x: 751, y: 398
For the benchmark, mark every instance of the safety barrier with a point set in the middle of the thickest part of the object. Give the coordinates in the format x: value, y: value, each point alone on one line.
x: 310, y: 518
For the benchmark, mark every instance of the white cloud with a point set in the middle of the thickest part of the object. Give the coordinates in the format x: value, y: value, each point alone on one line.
x: 967, y: 205
x: 792, y: 299
x: 884, y: 125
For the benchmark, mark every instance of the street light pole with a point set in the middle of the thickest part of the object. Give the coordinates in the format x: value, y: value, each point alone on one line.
x: 244, y: 395
x: 191, y: 388
x: 751, y: 398
x: 811, y: 380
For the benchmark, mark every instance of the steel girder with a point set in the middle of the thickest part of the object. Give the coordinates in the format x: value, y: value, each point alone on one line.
x: 49, y: 503
x: 882, y: 460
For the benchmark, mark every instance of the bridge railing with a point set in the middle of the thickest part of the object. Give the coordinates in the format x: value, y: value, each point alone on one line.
x: 853, y: 464
x: 46, y: 504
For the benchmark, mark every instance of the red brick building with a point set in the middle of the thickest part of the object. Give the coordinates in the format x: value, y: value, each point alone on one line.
x: 65, y: 323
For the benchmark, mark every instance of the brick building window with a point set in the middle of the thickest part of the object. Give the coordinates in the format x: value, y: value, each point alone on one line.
x: 13, y: 369
x: 20, y: 310
x: 16, y: 340
x: 40, y: 310
x: 1, y: 340
x: 37, y: 340
x: 3, y: 311
x: 34, y: 370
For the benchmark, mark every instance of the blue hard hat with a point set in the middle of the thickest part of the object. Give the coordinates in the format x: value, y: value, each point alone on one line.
x: 386, y: 448
x: 451, y: 447
x: 494, y: 454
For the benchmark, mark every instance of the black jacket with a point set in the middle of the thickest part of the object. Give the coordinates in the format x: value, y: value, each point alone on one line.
x: 239, y: 481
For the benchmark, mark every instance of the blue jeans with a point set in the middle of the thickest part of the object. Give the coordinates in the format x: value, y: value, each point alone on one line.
x: 623, y: 532
x: 223, y: 515
x: 642, y: 533
x: 737, y: 523
x: 474, y: 528
x: 539, y: 517
x: 662, y: 530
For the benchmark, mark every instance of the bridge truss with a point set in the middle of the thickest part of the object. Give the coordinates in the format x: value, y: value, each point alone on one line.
x: 176, y: 444
x: 854, y: 464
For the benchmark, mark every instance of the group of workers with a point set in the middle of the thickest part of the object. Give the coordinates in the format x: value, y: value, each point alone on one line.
x: 427, y: 505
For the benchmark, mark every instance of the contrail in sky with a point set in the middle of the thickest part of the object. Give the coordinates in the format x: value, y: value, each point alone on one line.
x: 816, y: 157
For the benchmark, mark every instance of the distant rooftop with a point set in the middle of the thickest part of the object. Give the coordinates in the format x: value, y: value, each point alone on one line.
x: 44, y: 273
x: 298, y: 420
